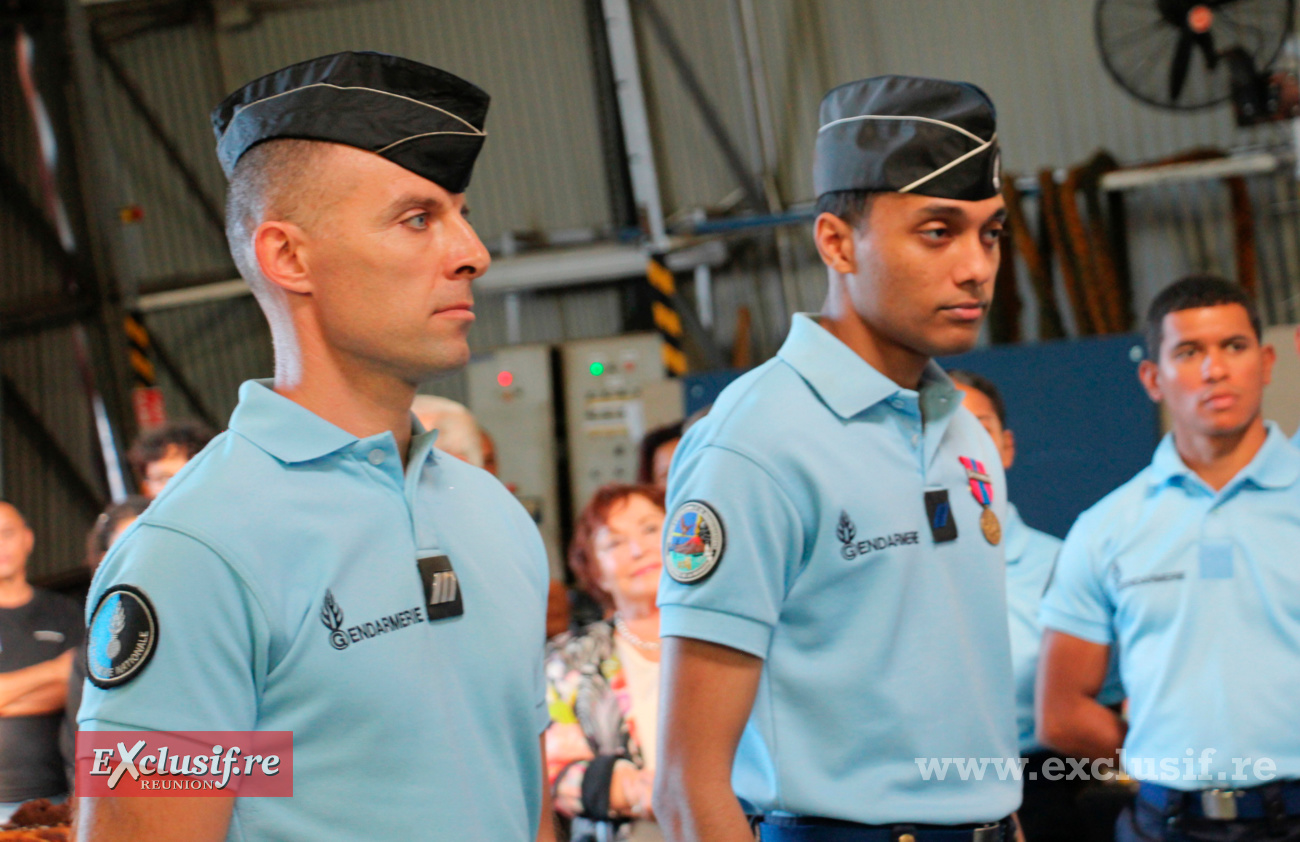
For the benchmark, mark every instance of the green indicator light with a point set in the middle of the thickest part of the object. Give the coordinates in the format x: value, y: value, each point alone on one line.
x: 597, y: 369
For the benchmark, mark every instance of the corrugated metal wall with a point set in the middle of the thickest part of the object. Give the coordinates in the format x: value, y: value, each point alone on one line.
x: 40, y: 365
x: 1036, y: 58
x: 178, y: 73
x: 541, y: 167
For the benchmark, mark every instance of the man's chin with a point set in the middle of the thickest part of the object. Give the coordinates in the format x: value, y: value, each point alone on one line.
x: 447, y: 358
x: 949, y: 342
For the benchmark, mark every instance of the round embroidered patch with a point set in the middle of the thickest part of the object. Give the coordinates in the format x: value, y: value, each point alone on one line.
x: 122, y: 637
x: 695, y: 541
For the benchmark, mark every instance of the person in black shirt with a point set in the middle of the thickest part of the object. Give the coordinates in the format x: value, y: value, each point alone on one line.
x: 39, y: 633
x: 108, y: 527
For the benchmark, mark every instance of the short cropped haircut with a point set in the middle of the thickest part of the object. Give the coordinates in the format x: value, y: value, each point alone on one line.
x: 653, y: 440
x: 152, y: 445
x: 1190, y: 293
x: 582, y: 550
x: 101, y: 534
x: 275, y: 179
x: 984, y: 386
x: 852, y: 206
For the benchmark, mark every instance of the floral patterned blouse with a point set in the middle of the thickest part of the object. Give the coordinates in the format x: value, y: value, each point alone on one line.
x: 591, y: 727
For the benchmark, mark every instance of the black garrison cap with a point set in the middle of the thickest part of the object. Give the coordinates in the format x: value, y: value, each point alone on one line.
x: 904, y: 134
x: 418, y: 117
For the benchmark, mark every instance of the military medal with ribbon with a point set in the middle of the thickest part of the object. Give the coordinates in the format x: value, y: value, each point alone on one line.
x: 981, y: 488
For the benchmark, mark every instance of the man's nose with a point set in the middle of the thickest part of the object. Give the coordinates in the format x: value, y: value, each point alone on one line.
x: 468, y: 255
x: 979, y: 262
x: 1214, y: 368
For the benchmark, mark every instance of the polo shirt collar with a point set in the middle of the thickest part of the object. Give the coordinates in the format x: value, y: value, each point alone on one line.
x: 292, y: 433
x: 1276, y: 465
x: 847, y: 383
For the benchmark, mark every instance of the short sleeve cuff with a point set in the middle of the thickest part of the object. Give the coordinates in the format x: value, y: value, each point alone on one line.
x: 106, y: 725
x: 1088, y: 630
x: 731, y: 630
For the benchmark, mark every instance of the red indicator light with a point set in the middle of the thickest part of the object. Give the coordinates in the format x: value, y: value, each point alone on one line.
x: 505, y: 378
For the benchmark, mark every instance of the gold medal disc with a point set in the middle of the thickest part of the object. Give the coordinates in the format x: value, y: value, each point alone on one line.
x: 991, y: 528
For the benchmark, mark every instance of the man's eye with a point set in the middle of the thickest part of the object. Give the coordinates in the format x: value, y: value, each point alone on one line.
x: 420, y: 221
x: 935, y: 233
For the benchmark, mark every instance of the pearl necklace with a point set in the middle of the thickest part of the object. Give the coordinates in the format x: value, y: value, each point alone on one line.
x: 644, y: 645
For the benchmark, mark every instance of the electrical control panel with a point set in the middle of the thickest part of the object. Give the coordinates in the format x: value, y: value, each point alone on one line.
x: 615, y: 390
x: 511, y: 393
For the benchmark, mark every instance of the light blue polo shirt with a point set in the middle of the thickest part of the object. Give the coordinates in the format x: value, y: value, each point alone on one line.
x: 879, y: 645
x: 1030, y: 557
x: 403, y: 728
x: 1200, y: 593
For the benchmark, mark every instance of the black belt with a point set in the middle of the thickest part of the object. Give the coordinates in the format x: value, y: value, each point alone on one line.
x: 1270, y: 801
x: 809, y: 829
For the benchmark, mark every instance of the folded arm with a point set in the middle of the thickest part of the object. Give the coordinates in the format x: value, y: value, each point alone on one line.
x: 1069, y: 719
x: 39, y: 689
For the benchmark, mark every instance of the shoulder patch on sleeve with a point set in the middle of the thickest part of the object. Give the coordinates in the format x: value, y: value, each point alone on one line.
x: 694, y: 543
x: 123, y: 635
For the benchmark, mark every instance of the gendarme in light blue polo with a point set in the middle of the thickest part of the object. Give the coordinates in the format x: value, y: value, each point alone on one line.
x: 801, y: 531
x: 1200, y: 592
x: 280, y: 570
x: 1031, y: 555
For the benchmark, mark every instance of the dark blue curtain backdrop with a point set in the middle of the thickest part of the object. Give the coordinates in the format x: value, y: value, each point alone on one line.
x: 1083, y: 424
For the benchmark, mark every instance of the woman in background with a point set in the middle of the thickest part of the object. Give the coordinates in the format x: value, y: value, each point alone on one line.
x: 603, y: 680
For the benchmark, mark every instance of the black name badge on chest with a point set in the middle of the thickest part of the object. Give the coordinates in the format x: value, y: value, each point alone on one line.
x: 938, y: 511
x: 442, y: 598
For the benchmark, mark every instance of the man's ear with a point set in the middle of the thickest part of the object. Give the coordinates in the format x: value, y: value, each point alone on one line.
x: 1008, y: 448
x: 1147, y: 372
x: 281, y: 249
x: 1269, y: 355
x: 834, y: 238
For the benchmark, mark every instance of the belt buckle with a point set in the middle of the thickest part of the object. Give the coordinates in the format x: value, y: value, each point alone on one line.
x: 1219, y: 804
x: 988, y: 833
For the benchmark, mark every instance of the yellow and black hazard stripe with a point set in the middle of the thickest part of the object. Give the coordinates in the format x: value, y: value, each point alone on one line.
x: 663, y: 309
x: 137, y: 337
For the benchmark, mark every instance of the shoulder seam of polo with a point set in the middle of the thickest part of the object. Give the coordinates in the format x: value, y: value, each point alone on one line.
x: 1098, y: 559
x: 749, y: 387
x: 194, y: 462
x: 225, y: 555
x: 1081, y: 621
x: 776, y: 483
